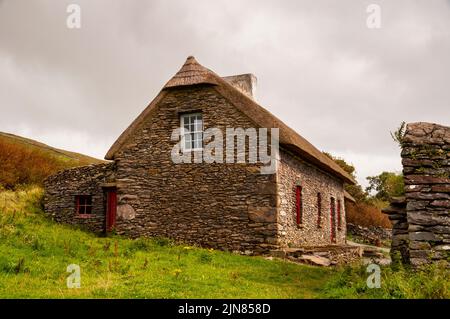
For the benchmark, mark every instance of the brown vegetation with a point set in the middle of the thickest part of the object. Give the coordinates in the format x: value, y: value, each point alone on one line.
x: 366, y: 215
x: 25, y: 163
x: 19, y: 165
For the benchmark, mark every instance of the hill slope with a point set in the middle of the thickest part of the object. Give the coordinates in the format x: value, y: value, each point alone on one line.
x: 26, y: 161
x: 35, y: 253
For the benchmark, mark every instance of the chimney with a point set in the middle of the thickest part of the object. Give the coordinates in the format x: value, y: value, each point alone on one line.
x: 246, y: 83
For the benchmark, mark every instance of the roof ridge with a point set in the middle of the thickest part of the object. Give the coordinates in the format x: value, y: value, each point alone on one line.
x: 193, y: 73
x: 288, y: 136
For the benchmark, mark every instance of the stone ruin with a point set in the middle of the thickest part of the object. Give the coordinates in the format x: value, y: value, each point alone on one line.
x: 421, y: 220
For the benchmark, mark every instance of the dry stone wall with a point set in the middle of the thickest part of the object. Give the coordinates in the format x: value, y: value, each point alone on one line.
x: 218, y: 205
x: 228, y: 206
x: 426, y: 171
x: 61, y: 189
x: 400, y: 235
x: 294, y: 172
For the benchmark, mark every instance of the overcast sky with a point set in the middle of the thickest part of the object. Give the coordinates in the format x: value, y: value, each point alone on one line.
x: 320, y: 69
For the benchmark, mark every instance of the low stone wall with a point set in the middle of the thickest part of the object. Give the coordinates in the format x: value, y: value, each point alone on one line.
x: 61, y: 189
x: 372, y: 235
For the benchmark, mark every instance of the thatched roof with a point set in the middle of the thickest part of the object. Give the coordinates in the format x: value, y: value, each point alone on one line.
x: 192, y: 73
x: 349, y: 197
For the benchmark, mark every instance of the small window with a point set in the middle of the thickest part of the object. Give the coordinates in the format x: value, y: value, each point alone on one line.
x: 319, y: 209
x: 299, y: 204
x: 339, y: 214
x: 192, y: 131
x: 83, y: 204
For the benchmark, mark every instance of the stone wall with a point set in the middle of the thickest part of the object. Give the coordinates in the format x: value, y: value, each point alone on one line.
x: 400, y: 236
x: 219, y: 205
x: 292, y: 172
x: 61, y: 189
x: 224, y: 206
x: 373, y: 235
x: 426, y: 170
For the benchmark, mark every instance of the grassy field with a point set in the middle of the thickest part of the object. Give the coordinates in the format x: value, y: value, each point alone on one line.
x: 35, y: 253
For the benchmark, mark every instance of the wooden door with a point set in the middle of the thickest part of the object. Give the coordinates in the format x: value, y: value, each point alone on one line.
x: 111, y: 209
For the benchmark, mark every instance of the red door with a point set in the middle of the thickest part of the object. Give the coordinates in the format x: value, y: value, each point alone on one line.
x: 333, y: 220
x: 111, y: 208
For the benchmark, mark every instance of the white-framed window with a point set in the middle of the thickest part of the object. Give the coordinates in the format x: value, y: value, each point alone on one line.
x: 192, y: 131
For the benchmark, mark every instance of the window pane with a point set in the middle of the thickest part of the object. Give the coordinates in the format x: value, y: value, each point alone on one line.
x: 198, y: 136
x: 83, y: 204
x: 198, y: 140
x: 192, y: 123
x: 198, y: 122
x: 187, y: 141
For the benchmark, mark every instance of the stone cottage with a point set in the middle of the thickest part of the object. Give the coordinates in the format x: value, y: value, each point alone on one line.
x: 142, y: 191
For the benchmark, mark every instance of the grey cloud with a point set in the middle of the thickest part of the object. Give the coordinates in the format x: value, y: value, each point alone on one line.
x: 320, y: 69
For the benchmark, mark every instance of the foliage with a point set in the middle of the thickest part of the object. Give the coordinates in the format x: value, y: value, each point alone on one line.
x: 367, y: 210
x: 366, y: 214
x: 356, y: 191
x: 22, y: 164
x: 386, y: 185
x: 399, y: 134
x: 35, y: 252
x: 429, y: 282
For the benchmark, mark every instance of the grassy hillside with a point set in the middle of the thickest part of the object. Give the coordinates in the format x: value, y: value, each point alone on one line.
x: 35, y: 253
x: 25, y: 161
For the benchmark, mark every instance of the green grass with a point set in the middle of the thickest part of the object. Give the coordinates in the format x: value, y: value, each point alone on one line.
x: 35, y: 253
x: 397, y: 282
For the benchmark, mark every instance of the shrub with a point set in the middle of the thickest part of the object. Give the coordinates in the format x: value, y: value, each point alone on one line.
x: 366, y: 215
x: 25, y: 165
x: 429, y: 282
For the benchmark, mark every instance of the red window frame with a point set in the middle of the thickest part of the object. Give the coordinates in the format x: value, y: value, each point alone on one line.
x: 83, y: 205
x: 333, y: 219
x: 299, y: 204
x: 319, y: 209
x: 339, y: 214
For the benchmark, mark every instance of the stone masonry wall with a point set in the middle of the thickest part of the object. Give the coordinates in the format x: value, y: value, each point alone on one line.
x: 224, y: 206
x: 293, y: 172
x: 400, y: 236
x: 219, y: 205
x: 426, y: 170
x: 61, y: 188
